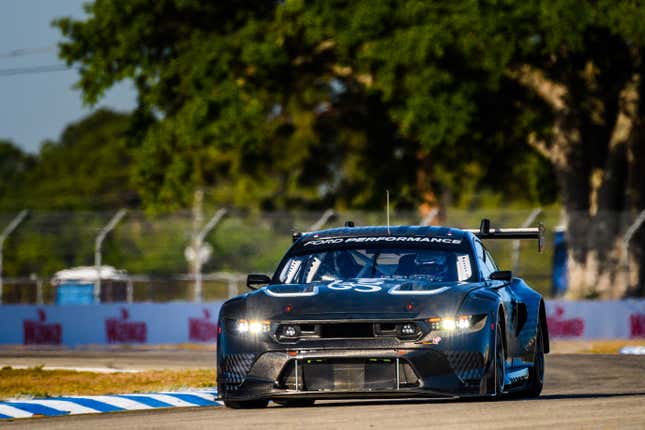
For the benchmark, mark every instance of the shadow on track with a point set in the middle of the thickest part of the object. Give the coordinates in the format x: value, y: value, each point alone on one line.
x: 544, y: 397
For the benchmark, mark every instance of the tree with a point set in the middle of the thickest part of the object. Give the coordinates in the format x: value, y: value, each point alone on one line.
x: 14, y: 169
x: 584, y: 62
x: 287, y: 104
x: 88, y: 168
x: 280, y: 104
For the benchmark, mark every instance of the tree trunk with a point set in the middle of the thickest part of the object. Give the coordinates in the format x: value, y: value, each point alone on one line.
x: 595, y: 199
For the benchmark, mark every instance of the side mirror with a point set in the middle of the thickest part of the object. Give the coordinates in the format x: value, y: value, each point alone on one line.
x: 257, y: 279
x: 501, y: 275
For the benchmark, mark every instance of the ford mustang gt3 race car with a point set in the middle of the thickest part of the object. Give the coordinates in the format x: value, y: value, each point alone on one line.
x: 383, y: 312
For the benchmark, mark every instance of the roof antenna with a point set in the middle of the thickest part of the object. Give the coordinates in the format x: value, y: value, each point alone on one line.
x: 387, y: 209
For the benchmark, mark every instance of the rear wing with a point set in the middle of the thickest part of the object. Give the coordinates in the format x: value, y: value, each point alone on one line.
x: 485, y: 232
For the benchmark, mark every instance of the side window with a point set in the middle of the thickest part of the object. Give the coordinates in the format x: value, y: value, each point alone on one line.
x: 490, y: 263
x: 479, y: 254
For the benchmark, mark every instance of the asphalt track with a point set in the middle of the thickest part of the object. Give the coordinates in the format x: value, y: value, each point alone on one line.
x: 581, y: 391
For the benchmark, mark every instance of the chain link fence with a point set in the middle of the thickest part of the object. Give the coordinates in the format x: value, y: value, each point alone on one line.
x: 155, y: 249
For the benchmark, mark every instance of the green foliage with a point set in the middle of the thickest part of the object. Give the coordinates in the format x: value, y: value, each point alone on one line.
x: 311, y: 104
x: 88, y: 168
x: 14, y: 169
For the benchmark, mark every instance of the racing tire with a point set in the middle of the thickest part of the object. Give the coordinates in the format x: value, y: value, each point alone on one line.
x: 296, y: 403
x: 500, y: 361
x: 536, y: 373
x: 496, y: 372
x: 246, y: 404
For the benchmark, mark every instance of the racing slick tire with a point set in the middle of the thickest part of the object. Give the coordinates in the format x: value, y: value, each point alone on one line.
x: 496, y: 368
x: 296, y: 403
x: 536, y: 373
x: 246, y: 404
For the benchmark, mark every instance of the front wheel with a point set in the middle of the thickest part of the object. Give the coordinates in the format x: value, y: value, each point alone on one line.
x: 536, y: 373
x: 500, y: 361
x: 497, y: 366
x: 246, y: 404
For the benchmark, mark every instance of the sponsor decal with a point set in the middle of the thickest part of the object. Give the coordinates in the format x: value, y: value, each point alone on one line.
x: 396, y: 239
x: 121, y: 330
x: 39, y: 332
x: 637, y: 325
x: 464, y: 271
x: 202, y: 329
x: 559, y: 326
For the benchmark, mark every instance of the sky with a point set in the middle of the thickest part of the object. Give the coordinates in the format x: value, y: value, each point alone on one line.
x: 35, y: 107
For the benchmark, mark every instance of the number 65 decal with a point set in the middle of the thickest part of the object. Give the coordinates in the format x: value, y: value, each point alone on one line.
x: 359, y: 286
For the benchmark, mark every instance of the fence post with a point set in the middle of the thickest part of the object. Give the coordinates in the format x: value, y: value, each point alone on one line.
x: 626, y: 239
x: 516, y: 243
x: 98, y: 253
x: 324, y: 219
x: 7, y: 231
x: 197, y: 244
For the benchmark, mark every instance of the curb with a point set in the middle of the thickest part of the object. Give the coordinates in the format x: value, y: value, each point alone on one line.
x: 72, y: 405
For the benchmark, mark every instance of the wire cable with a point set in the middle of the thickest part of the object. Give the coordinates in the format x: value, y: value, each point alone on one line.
x: 35, y: 69
x: 27, y: 51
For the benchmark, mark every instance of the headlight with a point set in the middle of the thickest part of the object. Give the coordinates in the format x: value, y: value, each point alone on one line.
x: 462, y: 322
x: 252, y: 326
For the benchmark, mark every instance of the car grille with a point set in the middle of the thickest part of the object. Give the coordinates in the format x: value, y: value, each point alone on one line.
x: 373, y: 374
x: 289, y: 333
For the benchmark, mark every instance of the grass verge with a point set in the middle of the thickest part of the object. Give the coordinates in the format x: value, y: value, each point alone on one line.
x: 37, y: 382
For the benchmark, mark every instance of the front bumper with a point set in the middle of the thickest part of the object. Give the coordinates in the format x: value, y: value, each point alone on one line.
x: 343, y: 369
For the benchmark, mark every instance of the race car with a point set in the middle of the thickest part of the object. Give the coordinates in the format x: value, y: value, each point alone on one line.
x: 384, y: 312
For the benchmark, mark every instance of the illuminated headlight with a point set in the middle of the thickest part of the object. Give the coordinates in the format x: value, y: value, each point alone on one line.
x: 289, y: 331
x: 408, y: 329
x: 448, y: 324
x: 451, y: 324
x: 253, y: 326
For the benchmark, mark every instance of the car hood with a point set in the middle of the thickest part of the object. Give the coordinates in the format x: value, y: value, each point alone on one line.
x: 374, y: 298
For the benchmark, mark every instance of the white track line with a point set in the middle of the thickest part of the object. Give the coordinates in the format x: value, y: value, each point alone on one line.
x: 82, y: 369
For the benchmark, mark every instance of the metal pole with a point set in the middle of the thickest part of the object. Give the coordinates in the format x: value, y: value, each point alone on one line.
x: 5, y: 233
x: 324, y: 219
x: 516, y: 243
x: 39, y: 288
x: 97, y: 251
x: 629, y: 234
x: 232, y: 287
x: 427, y: 220
x: 198, y: 241
x: 129, y: 291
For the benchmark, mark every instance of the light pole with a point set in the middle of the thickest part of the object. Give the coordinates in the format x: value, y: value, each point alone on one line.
x: 516, y: 243
x: 324, y: 219
x: 7, y: 231
x: 626, y: 239
x: 97, y: 251
x: 199, y: 258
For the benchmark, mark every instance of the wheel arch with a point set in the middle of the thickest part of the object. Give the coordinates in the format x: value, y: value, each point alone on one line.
x: 501, y: 319
x: 543, y: 325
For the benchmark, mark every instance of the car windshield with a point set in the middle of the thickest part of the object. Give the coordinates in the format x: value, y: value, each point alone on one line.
x: 432, y: 265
